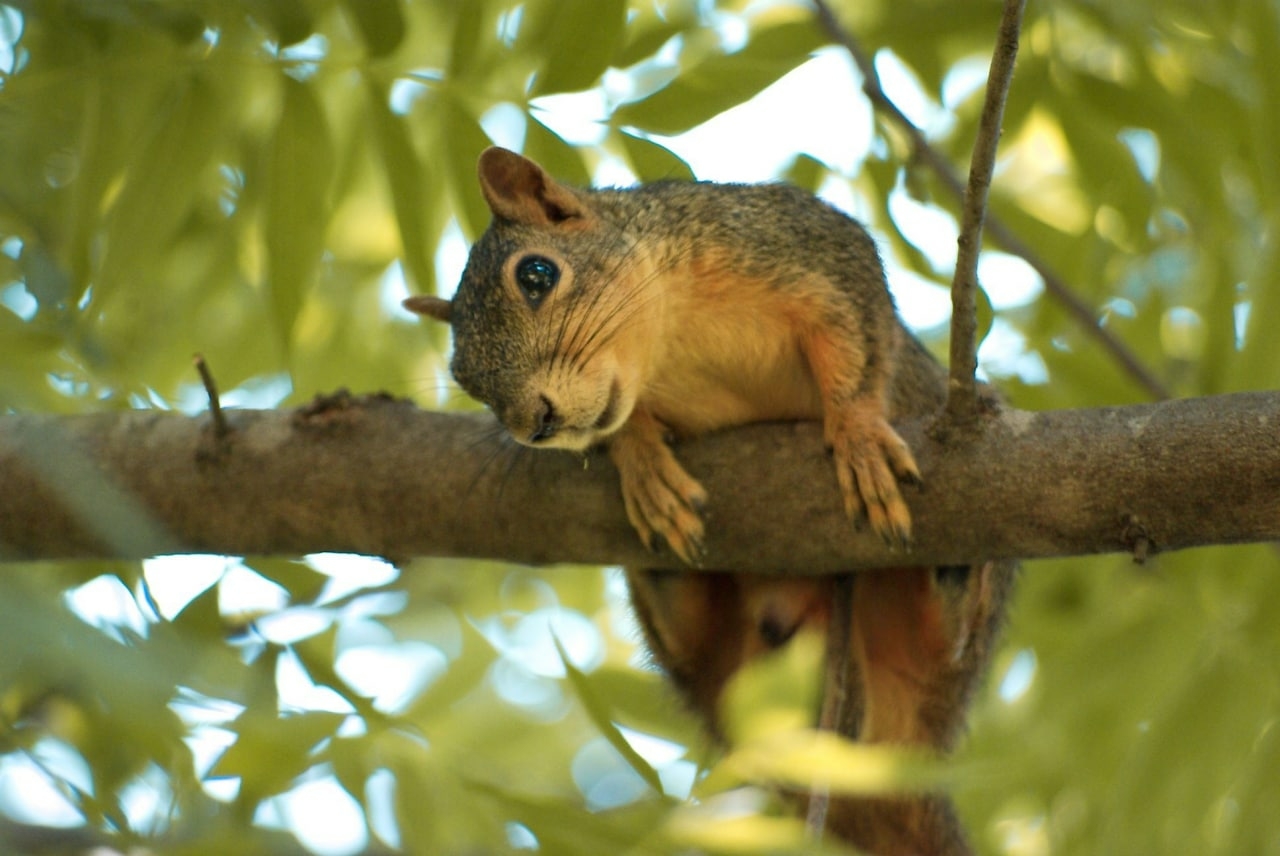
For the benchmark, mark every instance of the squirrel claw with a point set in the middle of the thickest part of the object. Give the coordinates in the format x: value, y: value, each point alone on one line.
x: 662, y: 500
x: 870, y: 458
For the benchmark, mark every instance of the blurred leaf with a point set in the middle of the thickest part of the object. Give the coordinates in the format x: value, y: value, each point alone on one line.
x: 647, y: 31
x: 653, y: 162
x: 408, y: 189
x: 160, y: 182
x: 562, y: 827
x: 301, y: 165
x: 643, y: 701
x: 807, y: 172
x: 272, y: 750
x: 985, y: 312
x: 201, y: 617
x: 463, y: 140
x: 555, y: 155
x: 45, y: 281
x: 720, y: 82
x: 318, y: 655
x: 303, y: 582
x: 468, y: 38
x: 381, y: 24
x: 577, y: 38
x: 465, y: 673
x: 598, y: 709
x: 290, y: 20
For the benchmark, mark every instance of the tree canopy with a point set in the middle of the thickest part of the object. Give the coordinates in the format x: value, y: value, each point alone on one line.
x: 261, y: 181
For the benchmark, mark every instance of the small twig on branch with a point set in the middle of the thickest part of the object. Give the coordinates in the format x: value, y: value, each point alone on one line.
x: 1078, y: 308
x: 962, y: 394
x: 220, y: 427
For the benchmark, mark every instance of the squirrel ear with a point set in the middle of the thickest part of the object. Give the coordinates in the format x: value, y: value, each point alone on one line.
x: 519, y: 190
x: 429, y: 305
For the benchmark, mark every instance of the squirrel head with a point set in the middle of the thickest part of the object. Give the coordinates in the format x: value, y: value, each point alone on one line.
x: 538, y: 332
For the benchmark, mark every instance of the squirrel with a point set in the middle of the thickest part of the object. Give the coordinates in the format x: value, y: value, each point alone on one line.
x: 620, y: 317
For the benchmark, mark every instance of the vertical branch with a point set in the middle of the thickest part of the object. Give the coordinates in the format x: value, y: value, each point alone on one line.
x: 1078, y: 308
x: 837, y: 686
x: 962, y: 401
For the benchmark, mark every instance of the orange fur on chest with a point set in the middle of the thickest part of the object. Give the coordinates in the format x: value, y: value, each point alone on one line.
x: 730, y: 350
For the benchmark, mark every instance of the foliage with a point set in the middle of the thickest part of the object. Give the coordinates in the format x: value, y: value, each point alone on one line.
x: 257, y: 180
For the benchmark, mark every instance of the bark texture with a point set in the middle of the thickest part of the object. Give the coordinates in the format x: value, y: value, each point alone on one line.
x: 377, y: 476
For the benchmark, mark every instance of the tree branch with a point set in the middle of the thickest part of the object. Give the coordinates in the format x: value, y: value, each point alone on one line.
x: 962, y: 392
x: 1076, y: 307
x: 377, y: 476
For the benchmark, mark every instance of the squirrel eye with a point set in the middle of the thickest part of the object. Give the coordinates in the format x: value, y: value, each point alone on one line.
x: 536, y: 276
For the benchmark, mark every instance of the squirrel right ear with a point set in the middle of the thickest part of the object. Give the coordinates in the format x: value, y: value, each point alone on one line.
x: 429, y: 305
x: 519, y: 190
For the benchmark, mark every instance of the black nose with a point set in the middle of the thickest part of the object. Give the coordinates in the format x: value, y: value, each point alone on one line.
x: 545, y: 422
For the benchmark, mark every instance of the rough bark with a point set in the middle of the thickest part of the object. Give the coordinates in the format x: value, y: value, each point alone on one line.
x: 376, y: 476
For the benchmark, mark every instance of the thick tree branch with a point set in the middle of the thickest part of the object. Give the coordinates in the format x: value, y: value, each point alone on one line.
x: 376, y: 476
x: 1081, y: 311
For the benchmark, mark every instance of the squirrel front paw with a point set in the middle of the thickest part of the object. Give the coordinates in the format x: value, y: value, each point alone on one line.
x: 870, y: 457
x: 662, y: 500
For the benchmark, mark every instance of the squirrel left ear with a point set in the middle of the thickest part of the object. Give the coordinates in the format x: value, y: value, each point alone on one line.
x: 519, y: 190
x: 429, y: 305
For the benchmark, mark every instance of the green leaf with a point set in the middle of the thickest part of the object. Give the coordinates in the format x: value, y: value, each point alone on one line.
x: 318, y: 654
x: 45, y: 281
x: 465, y: 672
x: 201, y: 617
x: 381, y: 24
x: 720, y: 82
x: 469, y: 38
x: 564, y: 827
x: 271, y: 750
x: 463, y: 140
x: 291, y: 20
x: 651, y: 161
x: 160, y: 183
x: 555, y: 155
x: 578, y: 39
x: 647, y: 31
x: 303, y: 582
x: 807, y: 172
x: 184, y: 25
x: 300, y: 167
x: 642, y: 701
x: 408, y: 189
x: 598, y: 709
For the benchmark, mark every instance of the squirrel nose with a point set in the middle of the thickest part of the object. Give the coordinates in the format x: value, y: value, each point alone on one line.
x: 546, y: 421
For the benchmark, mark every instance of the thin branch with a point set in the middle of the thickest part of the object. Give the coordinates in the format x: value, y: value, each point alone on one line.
x: 962, y: 394
x: 1076, y: 306
x: 838, y: 676
x: 220, y: 428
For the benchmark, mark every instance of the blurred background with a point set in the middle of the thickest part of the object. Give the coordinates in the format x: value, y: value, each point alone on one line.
x: 262, y: 181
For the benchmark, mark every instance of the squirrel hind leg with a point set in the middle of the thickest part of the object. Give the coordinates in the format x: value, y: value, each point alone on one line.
x: 922, y: 637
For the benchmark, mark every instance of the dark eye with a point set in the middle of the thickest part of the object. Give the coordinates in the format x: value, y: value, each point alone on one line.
x: 536, y: 276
